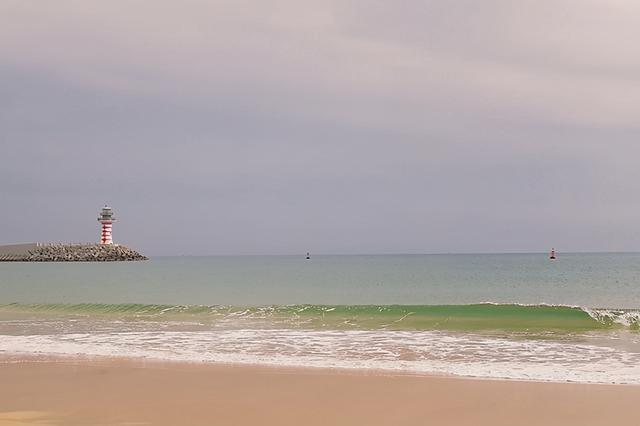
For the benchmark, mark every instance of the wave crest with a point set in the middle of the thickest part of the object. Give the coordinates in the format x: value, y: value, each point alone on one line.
x: 483, y: 316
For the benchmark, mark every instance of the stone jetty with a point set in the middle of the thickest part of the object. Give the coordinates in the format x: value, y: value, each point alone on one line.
x: 68, y: 253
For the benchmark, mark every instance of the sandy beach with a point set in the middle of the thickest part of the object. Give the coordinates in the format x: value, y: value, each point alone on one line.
x: 119, y: 392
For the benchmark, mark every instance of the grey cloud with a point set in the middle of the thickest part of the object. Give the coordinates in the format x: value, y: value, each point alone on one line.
x: 282, y: 127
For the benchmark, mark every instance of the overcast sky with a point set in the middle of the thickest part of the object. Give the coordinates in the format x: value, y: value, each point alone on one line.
x: 276, y: 127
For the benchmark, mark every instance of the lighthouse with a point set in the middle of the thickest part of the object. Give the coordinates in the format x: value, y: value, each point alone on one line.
x: 106, y: 219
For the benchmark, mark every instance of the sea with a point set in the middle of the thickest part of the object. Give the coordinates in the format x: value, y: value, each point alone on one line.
x: 500, y: 316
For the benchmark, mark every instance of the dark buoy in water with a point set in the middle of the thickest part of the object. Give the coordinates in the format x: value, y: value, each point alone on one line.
x: 552, y: 255
x: 308, y: 256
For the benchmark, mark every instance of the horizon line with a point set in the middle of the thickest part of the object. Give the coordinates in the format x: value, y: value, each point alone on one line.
x: 303, y: 254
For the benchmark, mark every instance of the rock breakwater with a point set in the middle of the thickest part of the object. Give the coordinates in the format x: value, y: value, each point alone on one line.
x: 75, y: 253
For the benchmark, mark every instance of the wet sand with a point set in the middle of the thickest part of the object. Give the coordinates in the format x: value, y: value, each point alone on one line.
x: 120, y: 392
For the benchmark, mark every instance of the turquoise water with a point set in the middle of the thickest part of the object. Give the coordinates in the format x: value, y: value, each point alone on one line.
x: 590, y: 280
x: 517, y: 316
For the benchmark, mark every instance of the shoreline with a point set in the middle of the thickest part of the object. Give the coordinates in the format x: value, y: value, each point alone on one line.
x: 159, y: 363
x: 72, y: 391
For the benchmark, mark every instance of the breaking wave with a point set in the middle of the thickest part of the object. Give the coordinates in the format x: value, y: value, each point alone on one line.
x: 473, y: 317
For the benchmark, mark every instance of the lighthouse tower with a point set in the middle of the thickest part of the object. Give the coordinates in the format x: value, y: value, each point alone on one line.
x: 106, y: 219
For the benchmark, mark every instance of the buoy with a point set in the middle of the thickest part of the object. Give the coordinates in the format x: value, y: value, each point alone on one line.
x: 552, y: 256
x: 308, y: 256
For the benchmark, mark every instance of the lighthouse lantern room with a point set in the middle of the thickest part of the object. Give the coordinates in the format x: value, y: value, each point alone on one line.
x: 106, y: 219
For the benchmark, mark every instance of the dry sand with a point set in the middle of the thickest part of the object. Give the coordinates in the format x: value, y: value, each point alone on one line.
x: 74, y: 392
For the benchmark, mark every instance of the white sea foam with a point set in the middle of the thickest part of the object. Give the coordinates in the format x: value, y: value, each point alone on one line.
x: 626, y: 318
x: 423, y: 352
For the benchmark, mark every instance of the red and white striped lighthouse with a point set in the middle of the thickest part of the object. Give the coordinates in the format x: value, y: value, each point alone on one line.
x: 106, y: 219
